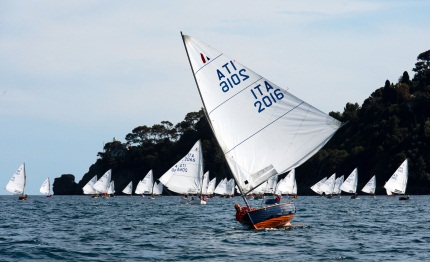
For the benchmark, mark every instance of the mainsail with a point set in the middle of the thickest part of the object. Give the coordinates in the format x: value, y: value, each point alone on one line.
x: 185, y: 177
x: 111, y: 189
x: 103, y: 183
x: 45, y: 188
x: 128, y: 189
x: 370, y: 186
x: 16, y: 184
x: 88, y: 188
x: 158, y: 189
x: 350, y: 184
x: 211, y: 186
x: 397, y: 182
x: 262, y: 129
x: 146, y: 184
x: 316, y: 187
x: 328, y: 186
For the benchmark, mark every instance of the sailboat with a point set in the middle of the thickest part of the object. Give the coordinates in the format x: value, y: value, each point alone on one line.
x: 145, y: 186
x: 317, y: 187
x: 337, y: 184
x: 328, y: 186
x: 211, y: 187
x: 128, y: 190
x: 186, y: 176
x: 398, y: 181
x: 370, y: 187
x: 111, y: 189
x: 16, y: 184
x: 46, y: 188
x: 350, y: 184
x: 157, y: 190
x: 287, y: 185
x: 88, y: 188
x: 102, y: 185
x: 262, y: 129
x: 221, y: 188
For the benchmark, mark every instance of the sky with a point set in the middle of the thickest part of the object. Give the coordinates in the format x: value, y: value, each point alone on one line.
x: 76, y: 74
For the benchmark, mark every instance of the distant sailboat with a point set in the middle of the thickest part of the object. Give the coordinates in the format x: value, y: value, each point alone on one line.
x: 128, y: 190
x: 16, y: 184
x: 328, y: 186
x: 262, y: 129
x: 111, y: 189
x: 102, y: 185
x: 186, y: 176
x: 287, y: 185
x: 370, y: 187
x: 317, y: 187
x: 221, y: 188
x: 145, y: 186
x: 157, y: 190
x: 337, y: 184
x: 398, y: 181
x: 46, y: 188
x: 88, y: 188
x: 350, y: 184
x: 211, y: 187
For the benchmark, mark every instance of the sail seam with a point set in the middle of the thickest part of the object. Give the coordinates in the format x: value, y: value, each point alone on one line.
x: 235, y: 94
x: 264, y: 127
x: 207, y: 64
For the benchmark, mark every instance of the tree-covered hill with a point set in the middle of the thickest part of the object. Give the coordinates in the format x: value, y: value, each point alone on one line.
x: 391, y: 125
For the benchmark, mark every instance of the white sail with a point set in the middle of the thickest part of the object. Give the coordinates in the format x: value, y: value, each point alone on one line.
x: 221, y: 188
x: 88, y: 188
x: 103, y: 183
x: 111, y: 189
x: 211, y: 186
x: 205, y: 184
x: 316, y: 187
x: 370, y: 186
x: 128, y: 189
x: 46, y: 187
x: 350, y: 184
x: 146, y: 184
x: 185, y: 177
x: 389, y: 193
x: 337, y: 184
x: 262, y: 129
x: 294, y: 188
x: 328, y: 186
x: 157, y: 189
x: 397, y: 182
x: 16, y: 184
x: 230, y: 187
x: 287, y: 185
x: 271, y: 185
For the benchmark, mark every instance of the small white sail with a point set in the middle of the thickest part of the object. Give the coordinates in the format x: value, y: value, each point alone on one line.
x: 370, y: 186
x: 230, y: 187
x: 145, y: 185
x: 158, y: 189
x: 128, y: 189
x: 46, y: 187
x: 350, y: 184
x: 185, y: 176
x: 103, y: 183
x: 16, y: 184
x: 337, y: 184
x: 316, y: 187
x: 111, y: 189
x: 287, y: 185
x: 398, y: 181
x: 328, y: 186
x: 88, y: 188
x: 389, y: 193
x: 270, y: 185
x: 211, y: 186
x: 205, y: 183
x: 221, y: 188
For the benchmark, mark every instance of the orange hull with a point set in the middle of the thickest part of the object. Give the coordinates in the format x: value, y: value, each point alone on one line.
x: 275, y: 222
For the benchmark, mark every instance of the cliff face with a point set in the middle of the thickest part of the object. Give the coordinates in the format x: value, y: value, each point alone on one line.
x: 66, y: 185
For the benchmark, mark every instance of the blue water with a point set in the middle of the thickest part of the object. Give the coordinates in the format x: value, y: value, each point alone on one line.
x: 79, y: 228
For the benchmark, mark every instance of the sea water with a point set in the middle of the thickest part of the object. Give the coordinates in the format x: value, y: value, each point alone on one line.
x: 135, y: 228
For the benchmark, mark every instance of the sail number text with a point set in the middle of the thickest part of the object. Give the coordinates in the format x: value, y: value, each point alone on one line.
x: 229, y: 76
x: 266, y: 96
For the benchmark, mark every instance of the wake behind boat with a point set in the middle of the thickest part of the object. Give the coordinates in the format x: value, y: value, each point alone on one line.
x: 262, y: 129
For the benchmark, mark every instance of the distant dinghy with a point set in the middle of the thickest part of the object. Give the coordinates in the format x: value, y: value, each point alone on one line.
x: 398, y: 181
x: 350, y: 184
x: 46, y: 188
x: 17, y: 182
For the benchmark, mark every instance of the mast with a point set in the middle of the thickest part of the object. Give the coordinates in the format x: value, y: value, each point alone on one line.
x: 209, y: 120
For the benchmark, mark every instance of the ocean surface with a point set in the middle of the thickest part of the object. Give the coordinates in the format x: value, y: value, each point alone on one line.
x: 124, y: 228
